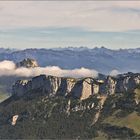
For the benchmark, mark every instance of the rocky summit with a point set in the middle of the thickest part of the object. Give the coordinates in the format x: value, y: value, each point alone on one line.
x: 49, y: 107
x: 28, y: 63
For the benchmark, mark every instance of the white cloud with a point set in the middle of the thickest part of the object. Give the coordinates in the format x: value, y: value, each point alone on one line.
x: 8, y: 68
x: 91, y: 15
x: 8, y: 65
x: 114, y: 73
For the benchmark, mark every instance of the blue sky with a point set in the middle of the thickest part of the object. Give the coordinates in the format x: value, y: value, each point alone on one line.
x: 54, y: 24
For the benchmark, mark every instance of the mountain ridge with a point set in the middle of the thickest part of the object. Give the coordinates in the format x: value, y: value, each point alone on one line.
x: 80, y: 88
x: 100, y: 59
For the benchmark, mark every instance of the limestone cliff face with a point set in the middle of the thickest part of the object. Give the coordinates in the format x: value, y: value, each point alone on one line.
x: 120, y: 84
x: 77, y: 88
x: 51, y: 86
x: 127, y: 82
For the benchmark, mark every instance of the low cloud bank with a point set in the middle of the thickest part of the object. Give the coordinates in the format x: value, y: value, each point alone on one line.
x: 114, y: 73
x: 8, y: 68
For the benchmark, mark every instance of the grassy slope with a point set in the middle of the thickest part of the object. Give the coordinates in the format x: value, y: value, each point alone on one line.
x: 3, y: 93
x: 127, y: 119
x: 3, y: 96
x: 131, y: 121
x: 137, y: 91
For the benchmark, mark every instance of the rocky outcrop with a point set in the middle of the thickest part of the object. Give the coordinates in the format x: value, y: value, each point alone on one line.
x: 120, y: 84
x: 28, y: 63
x: 77, y: 88
x: 127, y: 82
x: 14, y: 120
x: 52, y: 86
x: 109, y: 86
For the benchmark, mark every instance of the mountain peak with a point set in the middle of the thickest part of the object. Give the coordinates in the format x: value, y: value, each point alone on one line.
x: 28, y: 63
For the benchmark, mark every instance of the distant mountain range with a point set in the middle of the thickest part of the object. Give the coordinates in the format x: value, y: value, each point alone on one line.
x: 101, y: 59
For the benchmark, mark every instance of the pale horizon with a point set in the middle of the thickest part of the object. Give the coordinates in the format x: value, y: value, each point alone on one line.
x: 54, y: 24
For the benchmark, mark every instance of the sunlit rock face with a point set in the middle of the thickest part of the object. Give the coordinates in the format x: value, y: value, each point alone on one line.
x: 14, y: 120
x: 70, y: 85
x: 28, y: 63
x: 77, y: 88
x: 89, y: 87
x: 84, y: 88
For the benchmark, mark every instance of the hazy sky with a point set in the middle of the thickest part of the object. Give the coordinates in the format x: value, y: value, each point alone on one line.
x: 47, y: 24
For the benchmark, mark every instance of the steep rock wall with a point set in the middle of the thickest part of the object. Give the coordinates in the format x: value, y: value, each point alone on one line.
x: 77, y: 88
